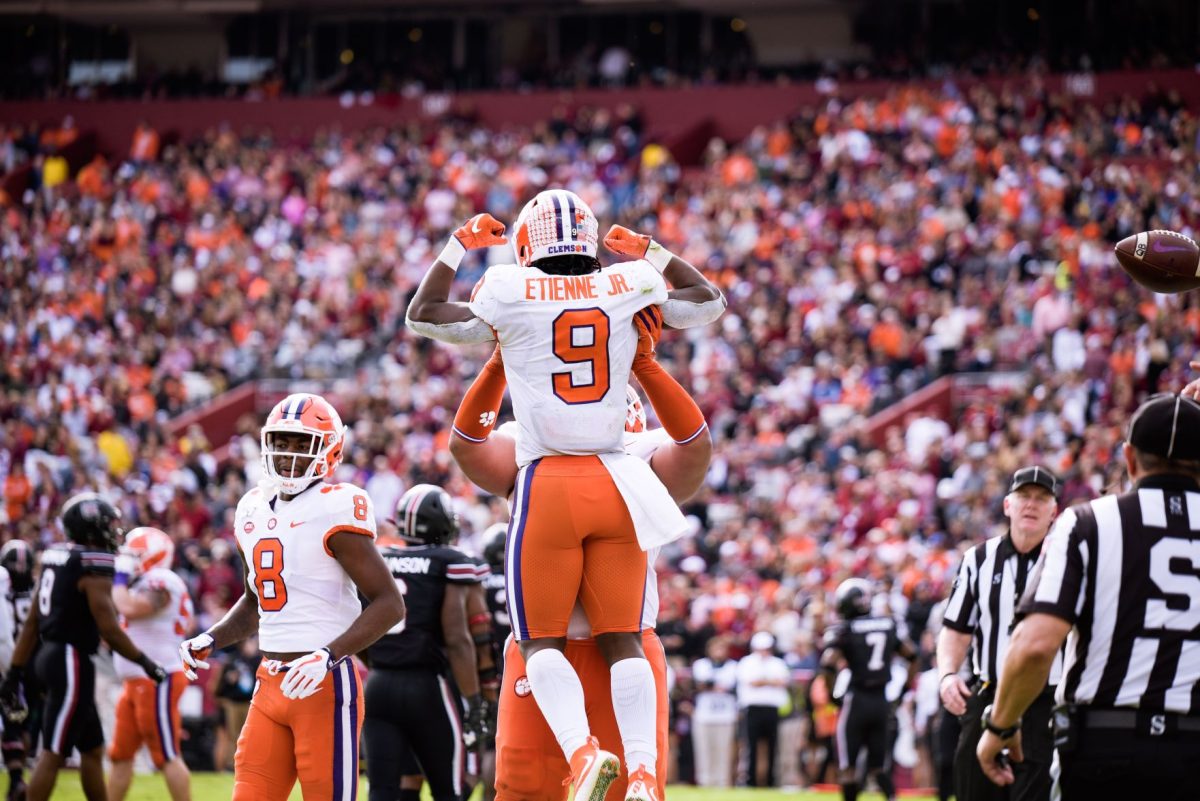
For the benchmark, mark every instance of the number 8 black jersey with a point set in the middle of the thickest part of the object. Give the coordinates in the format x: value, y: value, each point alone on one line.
x: 869, y: 644
x: 63, y: 612
x: 421, y: 573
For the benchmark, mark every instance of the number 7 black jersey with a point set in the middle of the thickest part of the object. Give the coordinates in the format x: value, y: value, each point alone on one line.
x: 421, y: 573
x: 63, y: 612
x: 869, y: 644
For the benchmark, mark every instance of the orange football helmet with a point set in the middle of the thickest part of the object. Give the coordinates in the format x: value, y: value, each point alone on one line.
x: 555, y: 223
x: 319, y: 455
x: 151, y: 548
x: 635, y: 411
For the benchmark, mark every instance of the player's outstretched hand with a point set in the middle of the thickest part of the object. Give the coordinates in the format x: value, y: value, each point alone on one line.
x: 193, y: 652
x: 649, y: 325
x: 304, y: 675
x: 12, y: 696
x: 154, y: 671
x: 481, y: 231
x: 624, y: 242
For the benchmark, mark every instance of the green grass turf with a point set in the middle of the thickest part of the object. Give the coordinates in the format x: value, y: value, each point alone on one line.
x: 219, y: 787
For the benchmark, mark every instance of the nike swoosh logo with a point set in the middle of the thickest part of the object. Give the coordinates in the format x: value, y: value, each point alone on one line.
x: 1159, y: 247
x: 587, y: 765
x: 294, y: 524
x: 475, y: 227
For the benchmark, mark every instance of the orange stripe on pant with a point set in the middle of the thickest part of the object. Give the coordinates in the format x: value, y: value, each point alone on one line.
x: 313, y: 738
x: 571, y: 537
x: 529, y: 763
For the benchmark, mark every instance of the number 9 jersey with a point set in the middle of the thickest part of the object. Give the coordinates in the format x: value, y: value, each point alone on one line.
x: 568, y: 344
x: 305, y: 598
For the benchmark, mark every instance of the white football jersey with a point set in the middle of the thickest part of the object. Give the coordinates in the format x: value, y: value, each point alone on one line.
x: 158, y: 635
x: 568, y: 344
x: 305, y: 598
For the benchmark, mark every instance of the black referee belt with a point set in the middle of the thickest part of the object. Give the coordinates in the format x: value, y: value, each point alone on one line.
x: 1151, y: 723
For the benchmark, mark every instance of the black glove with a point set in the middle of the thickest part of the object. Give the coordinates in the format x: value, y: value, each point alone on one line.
x: 12, y: 696
x: 490, y: 711
x: 475, y: 727
x: 154, y: 671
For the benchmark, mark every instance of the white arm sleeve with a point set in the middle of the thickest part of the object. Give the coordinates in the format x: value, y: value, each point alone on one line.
x: 684, y: 314
x: 470, y: 332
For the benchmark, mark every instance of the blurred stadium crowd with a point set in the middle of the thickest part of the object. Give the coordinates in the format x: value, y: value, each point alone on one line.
x: 866, y: 246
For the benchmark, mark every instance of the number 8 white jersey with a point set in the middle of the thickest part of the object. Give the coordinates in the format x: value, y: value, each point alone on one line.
x: 305, y: 598
x: 568, y: 344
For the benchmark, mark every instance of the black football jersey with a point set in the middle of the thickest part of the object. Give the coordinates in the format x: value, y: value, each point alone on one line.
x: 495, y: 586
x: 21, y: 602
x: 422, y: 573
x: 869, y: 644
x: 63, y: 612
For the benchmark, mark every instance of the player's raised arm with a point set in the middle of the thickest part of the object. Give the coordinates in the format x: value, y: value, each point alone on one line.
x: 486, y: 457
x: 432, y: 314
x: 693, y: 299
x: 682, y: 463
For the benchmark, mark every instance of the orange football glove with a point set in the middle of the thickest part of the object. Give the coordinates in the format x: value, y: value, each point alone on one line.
x: 649, y: 325
x: 622, y: 241
x: 481, y: 231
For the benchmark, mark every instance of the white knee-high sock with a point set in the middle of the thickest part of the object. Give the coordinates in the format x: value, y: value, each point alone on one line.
x: 559, y: 695
x: 636, y: 708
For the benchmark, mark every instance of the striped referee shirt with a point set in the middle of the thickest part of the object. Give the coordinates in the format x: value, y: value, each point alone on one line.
x: 1125, y: 570
x: 984, y: 600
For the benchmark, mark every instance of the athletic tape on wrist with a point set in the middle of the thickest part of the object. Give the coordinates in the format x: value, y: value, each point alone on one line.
x: 452, y: 254
x: 658, y: 256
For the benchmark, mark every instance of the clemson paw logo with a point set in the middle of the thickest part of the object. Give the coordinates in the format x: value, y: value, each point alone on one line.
x: 487, y: 419
x: 522, y: 688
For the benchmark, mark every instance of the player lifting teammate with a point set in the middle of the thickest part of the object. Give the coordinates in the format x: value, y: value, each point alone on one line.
x: 306, y: 545
x: 529, y: 765
x: 567, y: 332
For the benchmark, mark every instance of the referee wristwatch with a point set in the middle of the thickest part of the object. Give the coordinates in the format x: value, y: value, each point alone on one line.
x: 986, y: 721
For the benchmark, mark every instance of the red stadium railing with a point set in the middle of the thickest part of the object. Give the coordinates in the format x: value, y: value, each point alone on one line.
x: 681, y: 117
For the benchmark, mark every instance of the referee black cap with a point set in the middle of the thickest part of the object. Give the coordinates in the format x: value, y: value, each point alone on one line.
x: 1035, y: 474
x: 1166, y: 425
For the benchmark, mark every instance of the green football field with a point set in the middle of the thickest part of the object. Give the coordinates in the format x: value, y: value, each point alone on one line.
x: 219, y: 787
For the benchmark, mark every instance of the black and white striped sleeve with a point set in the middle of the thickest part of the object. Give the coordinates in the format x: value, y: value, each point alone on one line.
x: 962, y: 608
x: 466, y: 572
x: 98, y: 563
x: 1058, y: 580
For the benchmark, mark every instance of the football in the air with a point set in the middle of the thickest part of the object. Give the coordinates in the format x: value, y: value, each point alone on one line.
x: 1162, y: 261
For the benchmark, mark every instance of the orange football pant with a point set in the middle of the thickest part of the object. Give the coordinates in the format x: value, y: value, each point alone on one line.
x: 314, y: 738
x: 530, y: 765
x: 148, y: 714
x: 571, y: 537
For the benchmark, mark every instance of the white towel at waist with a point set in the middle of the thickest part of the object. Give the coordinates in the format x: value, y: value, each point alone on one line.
x: 656, y: 516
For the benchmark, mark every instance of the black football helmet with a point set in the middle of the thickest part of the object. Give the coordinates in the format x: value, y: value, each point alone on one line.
x: 16, y: 556
x: 425, y: 516
x: 493, y: 546
x: 90, y: 520
x: 853, y: 598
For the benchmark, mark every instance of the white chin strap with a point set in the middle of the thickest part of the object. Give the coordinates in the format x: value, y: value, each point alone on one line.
x: 294, y: 486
